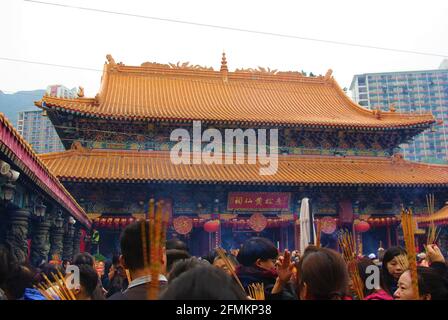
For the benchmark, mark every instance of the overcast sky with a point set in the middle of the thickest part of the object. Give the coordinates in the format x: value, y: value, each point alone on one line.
x: 65, y: 36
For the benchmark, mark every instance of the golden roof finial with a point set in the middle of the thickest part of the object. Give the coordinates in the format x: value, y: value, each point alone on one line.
x: 224, y: 62
x: 224, y: 68
x: 392, y: 107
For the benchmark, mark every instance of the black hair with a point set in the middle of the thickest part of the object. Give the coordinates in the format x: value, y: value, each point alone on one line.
x: 182, y: 266
x: 115, y: 260
x: 256, y: 248
x: 49, y: 269
x: 431, y: 282
x: 84, y: 258
x: 132, y: 246
x: 21, y: 276
x: 88, y: 277
x: 203, y: 283
x: 210, y: 256
x: 176, y: 244
x: 389, y: 281
x: 363, y: 264
x: 174, y: 255
x: 119, y: 281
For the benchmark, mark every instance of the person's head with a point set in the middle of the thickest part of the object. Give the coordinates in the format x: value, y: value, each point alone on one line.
x: 173, y: 255
x: 132, y: 257
x: 49, y: 270
x: 210, y: 256
x: 420, y: 257
x: 219, y: 263
x: 322, y: 275
x: 116, y: 260
x: 364, y: 268
x: 20, y: 277
x: 88, y: 279
x: 204, y: 282
x: 431, y: 285
x: 391, y: 266
x: 184, y: 265
x: 259, y: 252
x: 176, y: 244
x: 65, y: 263
x: 84, y: 258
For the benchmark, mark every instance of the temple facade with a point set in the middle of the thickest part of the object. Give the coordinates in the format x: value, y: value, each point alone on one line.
x: 340, y: 156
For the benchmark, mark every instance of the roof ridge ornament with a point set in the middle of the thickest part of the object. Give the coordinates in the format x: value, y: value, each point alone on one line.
x: 80, y: 92
x: 397, y: 158
x: 76, y: 145
x: 188, y: 66
x: 111, y: 60
x: 377, y: 113
x: 328, y: 75
x: 224, y: 70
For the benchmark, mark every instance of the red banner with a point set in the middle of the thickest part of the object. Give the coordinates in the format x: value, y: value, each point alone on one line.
x: 262, y: 201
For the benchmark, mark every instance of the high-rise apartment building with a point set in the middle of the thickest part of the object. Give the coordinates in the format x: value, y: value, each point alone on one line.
x: 411, y: 91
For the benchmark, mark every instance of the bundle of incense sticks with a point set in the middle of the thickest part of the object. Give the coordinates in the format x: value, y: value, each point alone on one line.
x: 403, y: 262
x: 222, y: 254
x: 158, y: 223
x: 57, y: 290
x: 318, y: 233
x: 347, y: 245
x: 433, y: 230
x: 256, y: 291
x: 128, y: 276
x: 408, y: 225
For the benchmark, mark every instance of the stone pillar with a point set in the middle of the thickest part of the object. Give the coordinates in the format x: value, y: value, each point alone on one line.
x: 40, y: 243
x: 76, y: 241
x: 67, y: 253
x: 56, y: 241
x: 17, y: 232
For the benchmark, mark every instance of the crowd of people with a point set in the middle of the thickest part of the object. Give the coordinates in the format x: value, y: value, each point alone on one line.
x: 318, y: 274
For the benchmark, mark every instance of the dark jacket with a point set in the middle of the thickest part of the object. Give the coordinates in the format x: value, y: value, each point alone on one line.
x: 253, y: 274
x: 441, y: 269
x: 139, y: 292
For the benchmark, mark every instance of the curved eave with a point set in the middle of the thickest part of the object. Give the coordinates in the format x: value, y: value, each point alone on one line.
x: 236, y: 182
x: 423, y: 124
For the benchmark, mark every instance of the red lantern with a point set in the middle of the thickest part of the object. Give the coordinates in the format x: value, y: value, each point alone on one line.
x: 116, y: 223
x: 211, y: 226
x: 362, y: 226
x: 102, y: 222
x: 124, y: 222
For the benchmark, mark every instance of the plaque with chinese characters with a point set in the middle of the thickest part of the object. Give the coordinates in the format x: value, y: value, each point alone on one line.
x: 258, y: 201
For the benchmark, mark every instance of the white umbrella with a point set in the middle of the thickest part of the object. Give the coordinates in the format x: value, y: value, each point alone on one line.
x: 305, y: 235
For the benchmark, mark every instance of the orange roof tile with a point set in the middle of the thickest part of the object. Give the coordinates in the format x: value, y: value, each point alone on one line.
x: 16, y: 148
x: 156, y: 166
x: 442, y: 214
x: 259, y: 97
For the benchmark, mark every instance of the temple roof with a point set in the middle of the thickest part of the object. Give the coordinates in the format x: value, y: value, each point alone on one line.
x: 155, y: 166
x: 154, y: 91
x: 16, y: 148
x: 440, y: 216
